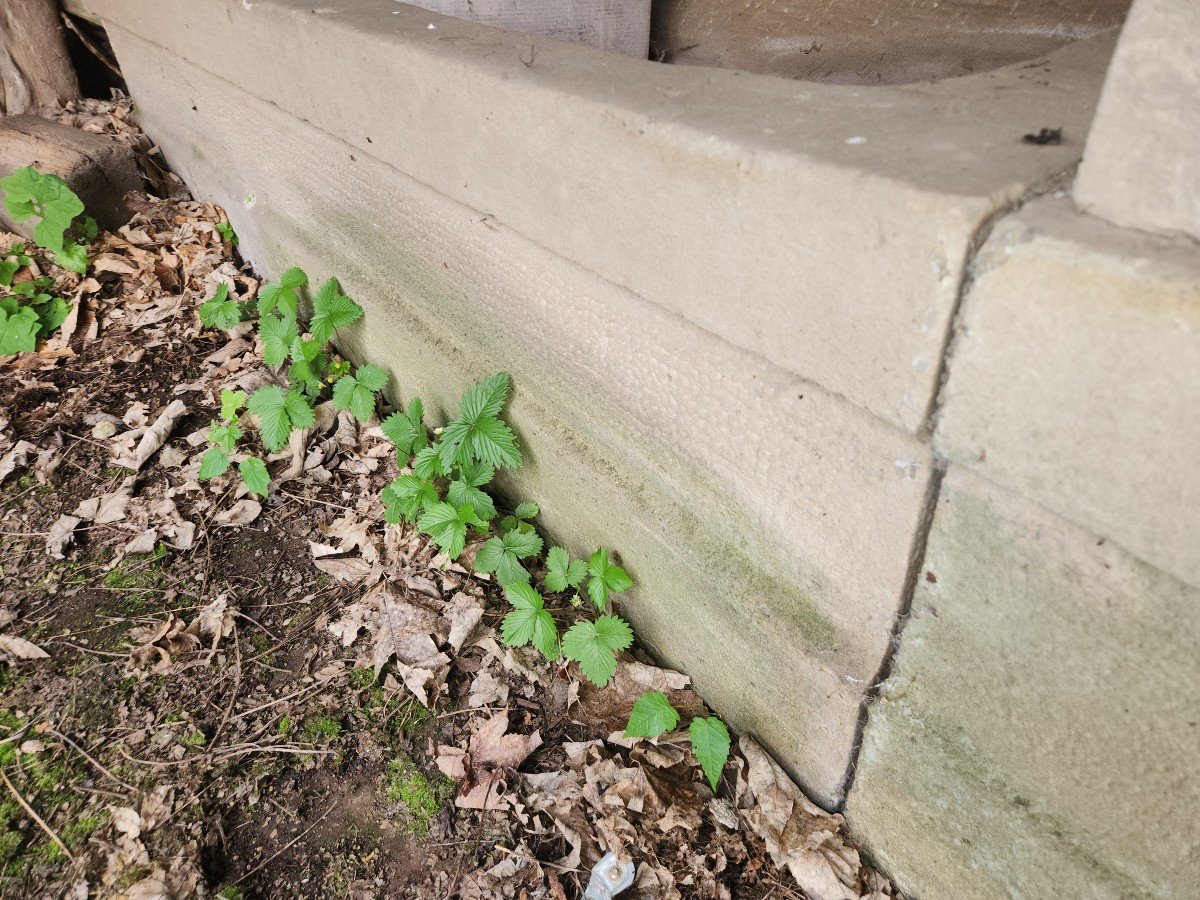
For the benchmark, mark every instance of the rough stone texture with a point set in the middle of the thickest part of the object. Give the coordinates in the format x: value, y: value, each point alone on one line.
x: 1142, y: 167
x: 1038, y: 735
x: 1075, y: 378
x: 623, y: 25
x: 873, y: 41
x: 768, y: 523
x: 100, y: 170
x: 821, y: 227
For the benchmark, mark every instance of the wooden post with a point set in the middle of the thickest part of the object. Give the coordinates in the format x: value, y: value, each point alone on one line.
x: 35, y: 68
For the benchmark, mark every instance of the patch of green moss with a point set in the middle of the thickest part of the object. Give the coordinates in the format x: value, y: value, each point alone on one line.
x: 286, y: 726
x: 421, y: 799
x: 139, y: 578
x: 322, y: 729
x: 231, y: 892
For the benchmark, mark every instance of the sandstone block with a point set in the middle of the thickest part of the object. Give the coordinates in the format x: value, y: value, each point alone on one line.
x: 1075, y: 378
x: 1038, y: 734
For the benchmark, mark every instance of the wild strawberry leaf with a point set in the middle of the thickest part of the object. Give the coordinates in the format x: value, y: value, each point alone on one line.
x: 214, y: 462
x: 406, y: 430
x: 277, y: 334
x: 529, y: 622
x: 651, y: 716
x: 282, y: 294
x: 357, y: 392
x: 562, y: 572
x: 278, y: 413
x: 503, y: 556
x: 219, y: 310
x: 231, y: 402
x: 447, y: 526
x: 254, y: 475
x: 19, y: 328
x: 331, y: 310
x: 459, y: 492
x: 606, y: 578
x: 594, y: 646
x: 406, y: 496
x: 478, y: 433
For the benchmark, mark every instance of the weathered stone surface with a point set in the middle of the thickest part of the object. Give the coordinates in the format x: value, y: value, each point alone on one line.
x: 767, y: 522
x: 1038, y: 735
x: 1141, y: 167
x: 1075, y: 378
x: 100, y: 170
x: 821, y: 227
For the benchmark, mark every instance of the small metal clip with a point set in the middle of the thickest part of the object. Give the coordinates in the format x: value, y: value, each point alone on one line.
x: 610, y: 876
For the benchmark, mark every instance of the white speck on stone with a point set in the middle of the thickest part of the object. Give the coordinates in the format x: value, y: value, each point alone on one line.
x: 857, y: 139
x: 432, y: 27
x: 247, y: 5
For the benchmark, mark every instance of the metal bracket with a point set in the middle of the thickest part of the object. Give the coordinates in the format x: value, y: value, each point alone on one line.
x: 610, y: 876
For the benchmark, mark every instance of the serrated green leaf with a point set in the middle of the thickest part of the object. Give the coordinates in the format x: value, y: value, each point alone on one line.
x: 562, y: 572
x: 8, y: 268
x: 51, y: 313
x: 459, y: 492
x: 529, y: 622
x: 503, y: 556
x: 651, y: 716
x: 224, y: 437
x: 231, y: 402
x: 710, y: 741
x: 219, y: 311
x: 357, y: 392
x: 477, y: 434
x: 278, y: 413
x: 214, y: 462
x: 606, y: 578
x: 254, y: 475
x: 308, y: 366
x: 331, y: 310
x: 19, y: 326
x: 277, y: 334
x: 227, y: 233
x: 523, y: 512
x: 476, y: 474
x: 594, y: 646
x: 406, y: 496
x: 282, y: 294
x: 447, y: 526
x: 428, y: 462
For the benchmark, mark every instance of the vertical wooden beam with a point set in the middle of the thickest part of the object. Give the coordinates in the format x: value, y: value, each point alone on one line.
x: 35, y: 68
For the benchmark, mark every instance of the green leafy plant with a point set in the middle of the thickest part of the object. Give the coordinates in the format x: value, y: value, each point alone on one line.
x: 279, y: 412
x: 447, y: 526
x: 406, y: 430
x: 19, y: 327
x: 652, y: 715
x: 223, y: 438
x: 529, y: 622
x: 331, y: 310
x: 710, y: 741
x: 503, y: 555
x: 520, y: 517
x: 478, y: 434
x: 605, y: 579
x: 562, y: 572
x: 220, y: 310
x: 357, y: 392
x: 225, y: 230
x: 594, y: 645
x: 62, y: 228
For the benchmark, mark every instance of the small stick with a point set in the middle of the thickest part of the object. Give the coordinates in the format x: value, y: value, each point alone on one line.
x: 32, y: 812
x: 286, y: 846
x: 95, y: 762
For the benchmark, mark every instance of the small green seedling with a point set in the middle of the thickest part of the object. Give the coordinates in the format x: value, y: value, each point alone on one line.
x: 357, y: 392
x: 652, y: 715
x: 594, y: 645
x: 223, y: 437
x: 406, y: 430
x: 332, y: 310
x: 63, y: 229
x: 562, y: 572
x: 503, y: 556
x: 606, y: 578
x: 529, y: 622
x: 520, y: 517
x: 710, y: 741
x: 447, y: 526
x: 225, y: 230
x: 220, y: 310
x: 278, y: 413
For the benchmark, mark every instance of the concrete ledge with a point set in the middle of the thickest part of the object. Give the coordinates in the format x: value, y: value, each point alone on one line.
x: 821, y: 227
x: 1075, y: 378
x: 1037, y: 737
x: 768, y: 522
x: 1142, y: 168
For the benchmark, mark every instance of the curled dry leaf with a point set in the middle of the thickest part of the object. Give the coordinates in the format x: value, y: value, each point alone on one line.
x: 153, y: 437
x: 62, y: 533
x: 19, y: 648
x: 485, y: 767
x: 241, y: 513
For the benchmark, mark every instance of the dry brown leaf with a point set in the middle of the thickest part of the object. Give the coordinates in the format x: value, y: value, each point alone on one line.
x: 19, y: 648
x: 61, y: 534
x: 17, y: 455
x: 484, y: 768
x: 241, y: 513
x: 153, y: 437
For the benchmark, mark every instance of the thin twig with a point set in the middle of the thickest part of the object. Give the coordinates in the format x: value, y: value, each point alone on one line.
x: 33, y: 813
x: 95, y: 762
x: 286, y: 846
